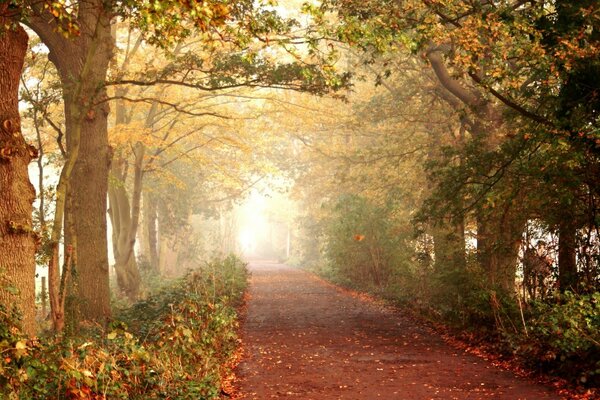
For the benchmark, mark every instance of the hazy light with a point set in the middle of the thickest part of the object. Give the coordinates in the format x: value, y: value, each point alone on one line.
x: 253, y: 224
x: 247, y: 241
x: 263, y: 223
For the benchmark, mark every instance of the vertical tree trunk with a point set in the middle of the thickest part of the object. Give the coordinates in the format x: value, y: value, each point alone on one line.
x: 17, y: 243
x: 567, y: 256
x: 125, y: 215
x: 82, y: 63
x: 125, y: 223
x: 150, y: 220
x: 449, y: 246
x: 88, y: 190
x: 498, y: 239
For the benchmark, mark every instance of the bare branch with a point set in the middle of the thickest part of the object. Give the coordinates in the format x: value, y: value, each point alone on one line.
x: 236, y: 193
x: 254, y: 83
x: 176, y: 107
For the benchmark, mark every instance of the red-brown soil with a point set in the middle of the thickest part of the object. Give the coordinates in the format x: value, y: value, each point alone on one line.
x: 306, y: 339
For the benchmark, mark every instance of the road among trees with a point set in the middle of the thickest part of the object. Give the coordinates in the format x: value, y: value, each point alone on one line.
x: 443, y: 154
x: 307, y: 339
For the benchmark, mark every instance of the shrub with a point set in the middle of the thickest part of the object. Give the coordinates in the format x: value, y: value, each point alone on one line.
x: 365, y: 243
x: 176, y: 344
x: 564, y: 338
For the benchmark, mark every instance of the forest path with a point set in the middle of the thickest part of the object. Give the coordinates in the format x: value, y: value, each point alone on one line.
x: 307, y: 339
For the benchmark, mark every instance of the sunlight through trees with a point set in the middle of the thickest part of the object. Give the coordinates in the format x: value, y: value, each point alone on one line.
x: 443, y: 155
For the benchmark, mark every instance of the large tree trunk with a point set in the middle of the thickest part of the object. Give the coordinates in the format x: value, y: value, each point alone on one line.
x: 82, y: 63
x: 17, y: 243
x: 499, y: 234
x: 88, y: 189
x: 567, y: 255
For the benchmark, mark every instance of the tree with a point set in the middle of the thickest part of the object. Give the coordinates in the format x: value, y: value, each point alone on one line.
x: 79, y: 38
x: 502, y: 64
x: 17, y: 238
x: 192, y: 69
x: 82, y: 61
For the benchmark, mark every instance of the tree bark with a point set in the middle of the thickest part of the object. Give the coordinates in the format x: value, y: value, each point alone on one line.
x: 17, y: 239
x: 82, y: 63
x: 150, y: 221
x: 499, y: 235
x: 567, y: 255
x: 125, y: 224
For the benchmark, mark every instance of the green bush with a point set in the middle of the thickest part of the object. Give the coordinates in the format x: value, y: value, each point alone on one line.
x: 365, y: 244
x: 564, y: 338
x: 176, y: 344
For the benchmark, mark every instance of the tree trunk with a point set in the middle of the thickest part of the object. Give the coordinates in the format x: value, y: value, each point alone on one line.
x: 17, y: 242
x: 82, y: 63
x: 449, y: 246
x: 169, y: 254
x: 567, y: 256
x: 499, y: 235
x: 88, y: 188
x: 125, y: 223
x: 150, y: 220
x: 125, y: 215
x: 58, y: 287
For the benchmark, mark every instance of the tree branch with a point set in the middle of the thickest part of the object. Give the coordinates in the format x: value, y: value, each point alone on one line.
x: 255, y: 83
x: 472, y: 100
x: 237, y: 193
x: 168, y: 104
x: 521, y: 110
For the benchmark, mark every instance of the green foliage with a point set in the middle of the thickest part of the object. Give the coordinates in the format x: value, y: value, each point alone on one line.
x: 363, y: 242
x: 458, y: 296
x: 177, y: 344
x: 564, y: 337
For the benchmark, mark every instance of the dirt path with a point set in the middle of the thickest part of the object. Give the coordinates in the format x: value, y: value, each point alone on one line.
x: 305, y: 339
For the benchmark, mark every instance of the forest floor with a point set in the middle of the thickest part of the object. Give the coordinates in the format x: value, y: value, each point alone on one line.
x: 307, y: 339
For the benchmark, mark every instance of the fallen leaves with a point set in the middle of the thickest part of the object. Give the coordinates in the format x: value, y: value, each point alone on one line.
x: 306, y: 338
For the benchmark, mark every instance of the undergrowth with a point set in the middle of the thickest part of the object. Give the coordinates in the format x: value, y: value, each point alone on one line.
x: 176, y: 344
x: 564, y: 338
